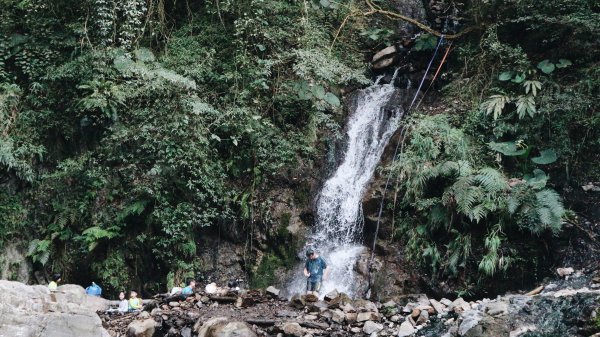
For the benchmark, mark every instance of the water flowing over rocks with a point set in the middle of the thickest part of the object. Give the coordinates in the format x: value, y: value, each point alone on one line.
x: 374, y: 114
x: 34, y: 311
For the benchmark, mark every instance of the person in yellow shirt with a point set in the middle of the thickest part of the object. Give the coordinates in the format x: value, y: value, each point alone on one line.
x: 54, y: 283
x: 135, y: 303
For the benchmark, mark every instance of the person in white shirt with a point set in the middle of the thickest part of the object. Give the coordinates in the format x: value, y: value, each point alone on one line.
x: 123, y: 304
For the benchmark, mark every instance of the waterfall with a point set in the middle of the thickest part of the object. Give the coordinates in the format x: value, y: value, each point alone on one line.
x: 337, y: 234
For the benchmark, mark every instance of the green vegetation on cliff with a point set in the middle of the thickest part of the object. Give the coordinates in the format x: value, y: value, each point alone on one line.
x: 128, y: 126
x: 478, y: 186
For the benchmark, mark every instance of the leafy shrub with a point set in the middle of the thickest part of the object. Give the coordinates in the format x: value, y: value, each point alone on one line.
x: 463, y: 215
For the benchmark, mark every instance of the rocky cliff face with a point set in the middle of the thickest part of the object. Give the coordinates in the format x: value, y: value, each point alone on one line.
x: 34, y: 311
x: 14, y: 265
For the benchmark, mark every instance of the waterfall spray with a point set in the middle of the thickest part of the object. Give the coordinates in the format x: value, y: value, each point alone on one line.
x: 337, y: 234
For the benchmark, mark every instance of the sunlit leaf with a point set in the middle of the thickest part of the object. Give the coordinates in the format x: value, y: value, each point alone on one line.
x: 546, y: 66
x: 144, y: 55
x: 546, y: 157
x: 519, y: 78
x: 563, y: 63
x: 495, y: 104
x: 505, y: 76
x: 532, y: 86
x: 508, y: 148
x: 332, y: 99
x: 526, y: 106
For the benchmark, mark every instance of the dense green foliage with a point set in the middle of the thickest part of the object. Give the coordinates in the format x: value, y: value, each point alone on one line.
x: 478, y: 189
x: 129, y: 127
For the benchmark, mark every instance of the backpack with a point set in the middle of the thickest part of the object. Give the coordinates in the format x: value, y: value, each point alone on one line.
x: 93, y: 290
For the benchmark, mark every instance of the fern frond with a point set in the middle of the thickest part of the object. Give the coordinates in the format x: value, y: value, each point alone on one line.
x: 491, y: 180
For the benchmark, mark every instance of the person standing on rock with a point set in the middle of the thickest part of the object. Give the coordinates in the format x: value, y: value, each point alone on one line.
x: 315, y: 270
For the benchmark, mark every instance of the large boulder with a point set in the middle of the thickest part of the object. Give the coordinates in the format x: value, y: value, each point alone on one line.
x: 292, y: 329
x: 372, y: 327
x: 232, y: 329
x: 413, y: 9
x: 33, y: 311
x: 221, y: 327
x: 141, y: 328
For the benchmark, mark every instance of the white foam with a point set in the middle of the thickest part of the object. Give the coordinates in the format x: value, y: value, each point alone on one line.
x: 337, y: 234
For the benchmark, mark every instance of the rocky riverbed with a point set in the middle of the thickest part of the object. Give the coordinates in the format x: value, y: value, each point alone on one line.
x: 566, y: 307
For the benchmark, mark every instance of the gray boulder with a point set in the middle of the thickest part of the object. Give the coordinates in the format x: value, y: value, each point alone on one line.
x: 221, y: 327
x: 371, y: 327
x: 232, y: 329
x: 33, y: 311
x: 273, y: 291
x: 141, y: 328
x: 292, y: 329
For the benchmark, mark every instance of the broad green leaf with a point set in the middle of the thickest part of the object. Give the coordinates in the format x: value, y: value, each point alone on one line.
x: 261, y: 47
x: 425, y: 42
x: 325, y: 3
x: 123, y: 64
x: 505, y: 76
x: 303, y: 90
x: 422, y: 229
x: 17, y: 39
x: 144, y: 55
x: 546, y: 157
x: 318, y: 91
x: 546, y: 66
x: 563, y: 63
x: 304, y: 94
x: 332, y: 99
x: 538, y: 180
x: 508, y: 148
x: 519, y: 78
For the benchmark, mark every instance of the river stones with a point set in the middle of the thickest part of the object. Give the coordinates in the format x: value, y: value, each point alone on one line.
x: 292, y: 328
x: 221, y: 327
x: 371, y: 327
x: 273, y: 291
x: 141, y: 328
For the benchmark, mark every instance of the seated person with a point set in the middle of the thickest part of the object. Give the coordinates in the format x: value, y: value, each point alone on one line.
x: 187, y: 291
x: 56, y: 278
x: 135, y: 303
x: 123, y: 303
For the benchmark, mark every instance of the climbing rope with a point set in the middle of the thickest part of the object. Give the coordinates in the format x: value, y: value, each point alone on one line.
x: 435, y: 75
x: 402, y: 132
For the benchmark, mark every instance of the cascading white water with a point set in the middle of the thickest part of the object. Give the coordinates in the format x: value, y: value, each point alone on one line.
x: 339, y: 224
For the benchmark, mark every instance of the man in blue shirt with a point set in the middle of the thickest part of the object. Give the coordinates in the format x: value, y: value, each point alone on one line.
x: 315, y: 270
